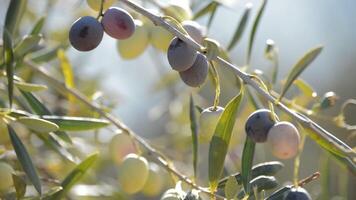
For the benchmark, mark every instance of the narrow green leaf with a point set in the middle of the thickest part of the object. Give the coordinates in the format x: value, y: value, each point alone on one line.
x: 212, y: 14
x: 194, y: 129
x: 46, y: 55
x: 76, y: 174
x: 272, y: 54
x: 254, y: 29
x: 299, y: 67
x: 266, y: 168
x: 38, y: 26
x: 221, y: 139
x: 29, y: 87
x: 231, y: 187
x: 20, y: 186
x: 40, y: 109
x: 67, y: 123
x: 14, y: 14
x: 241, y: 27
x: 205, y: 10
x: 39, y: 125
x: 26, y: 45
x: 247, y: 161
x: 9, y: 63
x: 52, y: 193
x: 24, y: 159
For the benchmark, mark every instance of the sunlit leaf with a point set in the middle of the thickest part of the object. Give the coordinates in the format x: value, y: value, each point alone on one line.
x: 76, y: 174
x: 247, y: 161
x: 299, y: 67
x: 221, y: 139
x: 26, y: 45
x: 194, y: 129
x: 9, y: 63
x: 20, y: 186
x: 254, y: 29
x: 231, y: 187
x: 24, y: 159
x: 205, y: 10
x: 67, y: 123
x: 38, y: 26
x: 14, y: 14
x: 52, y: 193
x: 29, y: 87
x: 241, y: 27
x: 39, y: 125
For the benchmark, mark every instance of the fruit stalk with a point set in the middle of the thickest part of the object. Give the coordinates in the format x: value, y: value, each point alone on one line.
x: 304, y: 120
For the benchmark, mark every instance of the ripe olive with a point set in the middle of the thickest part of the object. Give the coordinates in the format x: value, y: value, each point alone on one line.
x: 197, y: 73
x: 136, y: 44
x: 86, y: 33
x: 120, y: 146
x: 118, y: 23
x: 181, y: 55
x: 95, y: 4
x: 208, y: 121
x: 258, y: 124
x: 133, y: 173
x: 6, y: 176
x: 298, y: 193
x: 283, y: 139
x: 195, y: 30
x: 155, y: 181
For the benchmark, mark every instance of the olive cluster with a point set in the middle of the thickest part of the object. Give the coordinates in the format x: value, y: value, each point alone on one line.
x: 191, y: 64
x: 282, y: 137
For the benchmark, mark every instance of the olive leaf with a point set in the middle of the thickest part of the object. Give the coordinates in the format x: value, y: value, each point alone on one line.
x: 241, y: 27
x: 231, y: 187
x: 27, y: 44
x: 299, y: 67
x: 24, y: 159
x: 247, y: 161
x: 254, y: 29
x: 29, y: 87
x: 194, y: 128
x: 20, y: 186
x: 38, y: 26
x: 9, y: 61
x: 37, y: 124
x: 14, y: 14
x: 205, y: 10
x: 67, y: 123
x: 221, y: 139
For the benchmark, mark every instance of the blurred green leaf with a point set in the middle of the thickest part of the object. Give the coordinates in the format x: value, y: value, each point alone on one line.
x: 266, y: 168
x: 241, y: 27
x: 29, y: 87
x: 27, y: 44
x: 271, y: 53
x: 9, y: 63
x: 221, y: 139
x: 46, y: 55
x: 20, y: 186
x: 14, y: 14
x: 24, y: 159
x: 37, y: 124
x: 212, y: 14
x: 247, y: 161
x: 254, y: 29
x: 205, y: 10
x: 38, y: 26
x: 231, y: 187
x: 299, y: 67
x: 67, y: 123
x: 305, y: 88
x: 76, y: 174
x: 52, y: 193
x: 194, y: 129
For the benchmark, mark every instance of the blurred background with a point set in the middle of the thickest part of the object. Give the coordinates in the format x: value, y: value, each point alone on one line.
x: 151, y: 99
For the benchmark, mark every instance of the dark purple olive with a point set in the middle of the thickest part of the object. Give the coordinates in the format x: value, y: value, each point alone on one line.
x: 197, y: 73
x: 298, y: 193
x: 180, y: 55
x: 258, y: 125
x: 86, y: 33
x: 118, y: 23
